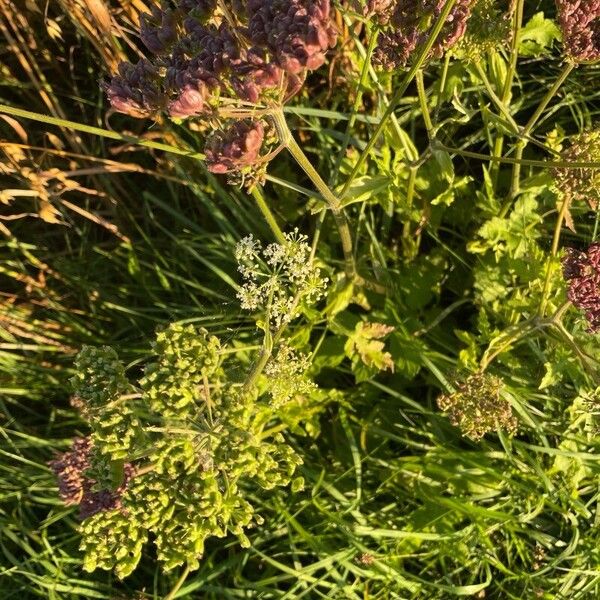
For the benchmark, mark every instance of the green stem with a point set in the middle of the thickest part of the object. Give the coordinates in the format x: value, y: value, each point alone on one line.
x: 267, y: 214
x: 410, y: 194
x: 510, y: 75
x: 516, y: 173
x: 287, y: 139
x: 408, y: 77
x: 498, y: 102
x: 423, y: 103
x: 178, y: 584
x: 514, y: 51
x: 553, y: 252
x: 443, y: 79
x: 259, y: 365
x: 106, y: 133
x: 355, y: 107
x: 549, y: 164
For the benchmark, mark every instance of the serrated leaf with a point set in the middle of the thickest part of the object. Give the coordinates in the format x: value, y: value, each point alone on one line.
x: 538, y: 36
x: 364, y: 346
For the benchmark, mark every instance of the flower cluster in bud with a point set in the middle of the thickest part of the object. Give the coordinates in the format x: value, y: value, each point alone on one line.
x: 180, y: 349
x: 582, y: 271
x: 287, y: 373
x: 76, y: 484
x: 278, y: 278
x: 297, y: 33
x: 406, y: 26
x: 580, y: 183
x: 579, y: 22
x: 236, y: 151
x: 477, y: 407
x: 489, y: 29
x: 99, y: 383
x: 205, y: 446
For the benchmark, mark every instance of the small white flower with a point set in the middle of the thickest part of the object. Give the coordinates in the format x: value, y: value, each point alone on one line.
x: 279, y: 277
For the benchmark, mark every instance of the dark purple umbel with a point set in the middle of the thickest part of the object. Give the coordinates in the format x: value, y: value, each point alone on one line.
x: 236, y: 147
x: 582, y: 271
x: 579, y: 22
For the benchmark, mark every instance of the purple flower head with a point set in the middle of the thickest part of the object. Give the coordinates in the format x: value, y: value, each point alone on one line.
x: 582, y: 271
x: 255, y: 75
x: 297, y: 32
x: 190, y: 102
x: 214, y: 49
x: 235, y: 148
x: 579, y: 21
x: 76, y: 487
x: 158, y: 30
x: 409, y: 27
x: 135, y: 91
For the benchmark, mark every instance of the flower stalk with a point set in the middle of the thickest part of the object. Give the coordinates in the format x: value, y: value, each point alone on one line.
x: 287, y: 139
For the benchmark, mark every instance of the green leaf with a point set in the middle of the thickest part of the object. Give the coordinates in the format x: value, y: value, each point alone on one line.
x: 365, y: 189
x: 537, y: 37
x: 366, y: 350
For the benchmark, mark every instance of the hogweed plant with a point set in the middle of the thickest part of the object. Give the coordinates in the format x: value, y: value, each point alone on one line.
x: 452, y: 191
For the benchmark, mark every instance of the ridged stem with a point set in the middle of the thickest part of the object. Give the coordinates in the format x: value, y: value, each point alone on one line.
x: 333, y: 202
x: 257, y: 194
x: 522, y: 143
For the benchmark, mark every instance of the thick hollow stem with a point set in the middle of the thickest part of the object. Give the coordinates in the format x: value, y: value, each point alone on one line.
x: 287, y: 139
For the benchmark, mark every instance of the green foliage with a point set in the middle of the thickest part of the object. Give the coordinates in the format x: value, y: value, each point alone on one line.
x: 424, y: 428
x: 538, y: 35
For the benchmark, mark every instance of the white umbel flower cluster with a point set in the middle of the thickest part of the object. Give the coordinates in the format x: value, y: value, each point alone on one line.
x: 278, y: 278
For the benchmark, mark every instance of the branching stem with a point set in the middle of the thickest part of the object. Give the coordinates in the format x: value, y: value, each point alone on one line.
x: 522, y: 143
x: 286, y: 138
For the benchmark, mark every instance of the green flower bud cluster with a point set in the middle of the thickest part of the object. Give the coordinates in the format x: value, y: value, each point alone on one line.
x: 203, y: 443
x: 98, y: 384
x: 489, y: 30
x: 287, y: 375
x: 111, y: 539
x: 477, y: 407
x: 187, y: 360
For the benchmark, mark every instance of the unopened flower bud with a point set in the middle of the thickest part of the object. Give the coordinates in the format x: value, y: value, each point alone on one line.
x: 135, y: 91
x: 158, y: 30
x: 236, y: 147
x: 191, y: 101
